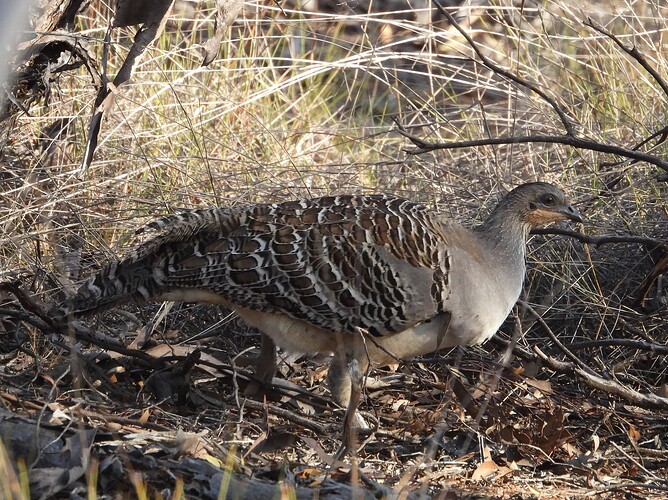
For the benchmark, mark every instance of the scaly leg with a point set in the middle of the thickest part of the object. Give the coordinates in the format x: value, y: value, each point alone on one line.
x: 353, y: 420
x: 344, y: 380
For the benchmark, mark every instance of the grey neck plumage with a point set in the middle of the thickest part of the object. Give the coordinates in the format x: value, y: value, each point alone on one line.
x: 505, y: 232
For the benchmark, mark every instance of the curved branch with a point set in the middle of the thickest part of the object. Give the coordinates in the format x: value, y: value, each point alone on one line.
x: 570, y: 137
x: 487, y: 62
x: 603, y: 239
x: 631, y: 51
x: 640, y: 345
x: 423, y: 146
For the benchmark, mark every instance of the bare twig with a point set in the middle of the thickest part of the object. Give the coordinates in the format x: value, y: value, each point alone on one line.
x: 575, y: 360
x: 651, y: 244
x: 423, y: 146
x: 569, y: 138
x: 661, y: 267
x: 110, y: 417
x: 640, y: 345
x: 628, y: 487
x: 289, y: 415
x: 644, y: 400
x: 633, y: 52
x: 30, y: 303
x: 27, y: 317
x: 604, y: 239
x: 153, y: 20
x: 565, y: 119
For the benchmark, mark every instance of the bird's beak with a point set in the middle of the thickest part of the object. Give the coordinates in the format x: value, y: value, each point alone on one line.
x: 571, y: 213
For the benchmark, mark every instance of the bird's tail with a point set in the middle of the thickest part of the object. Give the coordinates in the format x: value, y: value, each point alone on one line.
x: 117, y: 283
x: 140, y: 276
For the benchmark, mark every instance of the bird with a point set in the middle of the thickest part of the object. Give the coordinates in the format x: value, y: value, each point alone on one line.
x: 369, y: 278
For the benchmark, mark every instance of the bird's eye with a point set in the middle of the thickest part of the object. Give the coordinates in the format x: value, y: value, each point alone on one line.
x: 548, y: 200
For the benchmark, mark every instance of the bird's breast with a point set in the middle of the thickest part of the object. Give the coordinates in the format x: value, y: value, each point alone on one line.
x: 482, y: 295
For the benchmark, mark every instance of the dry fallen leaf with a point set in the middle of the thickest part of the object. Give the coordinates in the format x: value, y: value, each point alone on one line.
x: 634, y: 434
x: 489, y: 470
x: 545, y: 386
x: 597, y: 442
x: 145, y: 416
x: 662, y: 391
x: 309, y: 473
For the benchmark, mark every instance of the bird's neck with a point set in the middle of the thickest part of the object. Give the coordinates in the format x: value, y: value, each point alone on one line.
x: 505, y: 234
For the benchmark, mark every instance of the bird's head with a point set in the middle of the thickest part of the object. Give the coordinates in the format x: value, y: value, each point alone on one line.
x: 540, y: 203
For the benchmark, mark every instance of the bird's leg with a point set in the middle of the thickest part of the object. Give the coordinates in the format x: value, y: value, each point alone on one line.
x: 264, y: 366
x: 266, y: 362
x: 352, y: 419
x: 345, y: 382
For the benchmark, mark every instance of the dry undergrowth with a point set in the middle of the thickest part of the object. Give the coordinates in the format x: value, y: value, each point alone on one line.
x: 301, y: 103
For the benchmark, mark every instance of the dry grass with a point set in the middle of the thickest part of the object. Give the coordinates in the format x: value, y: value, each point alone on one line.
x: 300, y: 104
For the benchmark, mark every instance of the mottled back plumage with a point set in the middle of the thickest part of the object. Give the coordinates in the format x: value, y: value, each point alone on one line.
x: 376, y: 262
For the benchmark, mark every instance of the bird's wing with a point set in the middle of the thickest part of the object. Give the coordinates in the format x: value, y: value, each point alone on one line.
x: 374, y: 262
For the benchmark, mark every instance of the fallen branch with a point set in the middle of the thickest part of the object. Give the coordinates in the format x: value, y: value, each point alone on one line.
x: 590, y: 377
x: 641, y: 399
